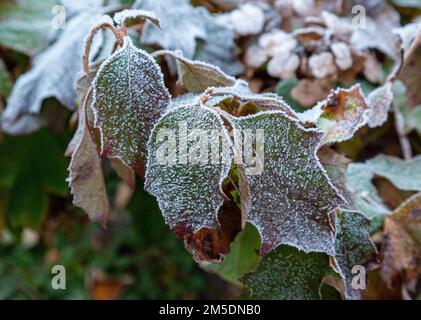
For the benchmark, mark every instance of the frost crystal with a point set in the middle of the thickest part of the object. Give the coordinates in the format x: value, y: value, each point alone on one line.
x: 129, y: 97
x: 291, y: 198
x: 181, y: 174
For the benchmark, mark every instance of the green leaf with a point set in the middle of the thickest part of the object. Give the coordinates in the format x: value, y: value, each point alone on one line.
x: 288, y: 274
x: 25, y: 26
x: 287, y: 194
x: 353, y: 247
x: 129, y: 97
x: 181, y: 171
x: 243, y: 257
x: 31, y: 168
x: 5, y: 82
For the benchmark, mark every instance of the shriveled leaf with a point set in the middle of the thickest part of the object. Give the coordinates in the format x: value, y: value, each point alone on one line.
x: 405, y: 175
x: 197, y: 76
x: 243, y: 257
x: 53, y: 75
x: 181, y: 171
x: 25, y: 25
x: 290, y: 193
x: 402, y: 244
x: 288, y: 274
x: 129, y: 98
x: 181, y: 25
x: 86, y: 179
x: 353, y: 247
x: 342, y: 114
x: 379, y: 102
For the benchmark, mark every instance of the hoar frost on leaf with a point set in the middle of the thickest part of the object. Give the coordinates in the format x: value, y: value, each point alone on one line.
x: 379, y: 101
x: 129, y: 97
x: 288, y: 274
x: 290, y: 200
x: 122, y: 17
x: 340, y: 115
x: 186, y: 167
x: 197, y: 76
x: 353, y: 247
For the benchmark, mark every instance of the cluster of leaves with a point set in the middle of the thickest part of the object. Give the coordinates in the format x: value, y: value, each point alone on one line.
x: 297, y: 228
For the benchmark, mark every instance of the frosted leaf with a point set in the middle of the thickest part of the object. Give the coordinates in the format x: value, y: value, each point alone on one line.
x: 129, y: 97
x: 283, y: 66
x: 343, y: 113
x: 322, y: 65
x: 408, y: 33
x: 401, y: 250
x: 219, y: 48
x: 291, y: 195
x: 405, y: 175
x: 122, y: 17
x: 353, y: 247
x: 181, y: 25
x: 248, y: 19
x: 242, y: 93
x: 53, y: 74
x: 379, y: 101
x: 343, y: 56
x: 411, y: 117
x: 288, y: 274
x: 86, y: 179
x: 197, y: 76
x: 186, y: 167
